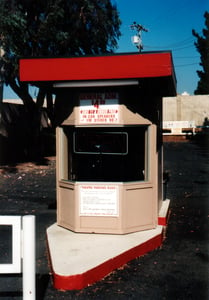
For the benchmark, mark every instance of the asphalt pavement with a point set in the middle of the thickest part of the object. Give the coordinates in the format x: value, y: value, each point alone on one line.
x: 177, y: 270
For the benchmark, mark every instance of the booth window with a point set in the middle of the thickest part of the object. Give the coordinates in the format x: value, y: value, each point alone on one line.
x: 100, y: 142
x: 107, y: 154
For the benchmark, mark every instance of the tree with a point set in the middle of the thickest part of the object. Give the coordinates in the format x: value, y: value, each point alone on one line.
x: 202, y: 45
x: 52, y: 28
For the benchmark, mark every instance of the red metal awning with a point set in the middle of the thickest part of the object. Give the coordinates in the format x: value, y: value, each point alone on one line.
x: 120, y: 66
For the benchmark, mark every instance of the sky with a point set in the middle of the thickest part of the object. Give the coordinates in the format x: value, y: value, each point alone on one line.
x: 169, y: 25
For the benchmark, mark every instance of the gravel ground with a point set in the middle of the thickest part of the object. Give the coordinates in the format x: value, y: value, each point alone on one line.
x: 177, y: 270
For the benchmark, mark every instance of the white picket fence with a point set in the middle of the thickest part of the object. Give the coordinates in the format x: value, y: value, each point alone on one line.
x: 23, y: 252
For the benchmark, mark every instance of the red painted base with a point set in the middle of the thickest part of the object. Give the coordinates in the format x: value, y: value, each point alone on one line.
x: 163, y: 221
x: 78, y: 260
x: 80, y: 281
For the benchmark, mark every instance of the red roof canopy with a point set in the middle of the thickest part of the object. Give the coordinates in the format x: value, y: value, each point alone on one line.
x: 119, y: 66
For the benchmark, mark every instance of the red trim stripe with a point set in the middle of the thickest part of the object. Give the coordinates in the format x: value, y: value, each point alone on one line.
x: 80, y: 281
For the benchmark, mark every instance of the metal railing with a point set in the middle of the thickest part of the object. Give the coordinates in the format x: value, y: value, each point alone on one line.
x: 23, y: 252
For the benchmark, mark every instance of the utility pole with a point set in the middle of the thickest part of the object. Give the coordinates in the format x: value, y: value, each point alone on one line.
x: 137, y: 39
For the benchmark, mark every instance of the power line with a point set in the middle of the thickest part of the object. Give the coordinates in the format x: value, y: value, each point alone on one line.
x: 178, y: 49
x: 186, y: 57
x: 185, y: 65
x: 164, y: 46
x: 187, y: 42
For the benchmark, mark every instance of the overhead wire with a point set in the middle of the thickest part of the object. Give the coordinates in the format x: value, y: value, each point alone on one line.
x: 185, y: 46
x: 171, y: 12
x: 186, y: 43
x: 185, y: 65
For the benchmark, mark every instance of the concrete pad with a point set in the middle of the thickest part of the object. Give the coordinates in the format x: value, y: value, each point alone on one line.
x: 78, y: 260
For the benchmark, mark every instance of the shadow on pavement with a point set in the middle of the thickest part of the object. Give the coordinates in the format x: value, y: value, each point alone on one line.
x: 42, y: 282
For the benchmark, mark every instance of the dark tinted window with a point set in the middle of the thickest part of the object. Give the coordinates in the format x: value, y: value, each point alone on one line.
x: 88, y: 142
x: 107, y: 154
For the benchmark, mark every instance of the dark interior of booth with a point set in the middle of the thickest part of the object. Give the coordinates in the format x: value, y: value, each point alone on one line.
x: 107, y: 154
x: 114, y: 153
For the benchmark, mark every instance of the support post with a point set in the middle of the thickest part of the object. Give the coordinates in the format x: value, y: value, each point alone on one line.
x: 28, y: 268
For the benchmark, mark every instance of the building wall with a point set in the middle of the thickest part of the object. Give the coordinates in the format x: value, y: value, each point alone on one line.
x: 186, y: 108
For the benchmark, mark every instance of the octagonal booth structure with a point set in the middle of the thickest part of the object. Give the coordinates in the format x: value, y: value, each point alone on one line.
x: 109, y: 143
x: 109, y: 164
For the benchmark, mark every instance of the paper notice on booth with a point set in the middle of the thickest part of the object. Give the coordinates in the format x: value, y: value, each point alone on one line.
x: 99, y: 200
x: 99, y: 108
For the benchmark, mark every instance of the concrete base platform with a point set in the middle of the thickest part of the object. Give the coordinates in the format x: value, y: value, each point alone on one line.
x: 78, y: 260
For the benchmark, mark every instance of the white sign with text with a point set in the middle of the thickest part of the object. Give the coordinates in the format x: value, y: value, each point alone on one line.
x: 99, y: 200
x: 99, y: 108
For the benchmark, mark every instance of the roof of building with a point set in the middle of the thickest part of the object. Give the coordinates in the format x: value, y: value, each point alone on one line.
x: 105, y: 67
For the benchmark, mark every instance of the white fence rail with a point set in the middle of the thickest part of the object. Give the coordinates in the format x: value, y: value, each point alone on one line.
x: 23, y: 252
x: 176, y: 127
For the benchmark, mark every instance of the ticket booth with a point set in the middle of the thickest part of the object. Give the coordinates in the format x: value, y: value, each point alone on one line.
x: 109, y: 146
x: 108, y: 114
x: 106, y: 163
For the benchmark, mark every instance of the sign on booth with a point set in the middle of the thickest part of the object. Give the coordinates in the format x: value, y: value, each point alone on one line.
x: 99, y: 108
x: 99, y: 200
